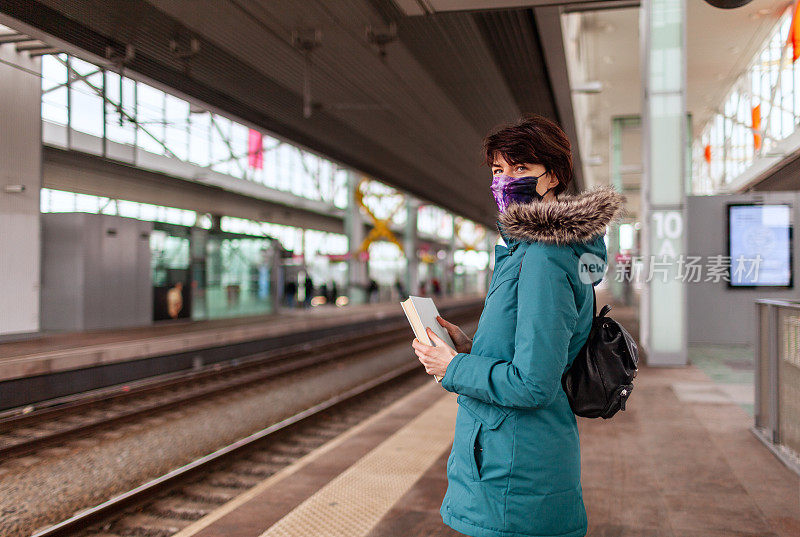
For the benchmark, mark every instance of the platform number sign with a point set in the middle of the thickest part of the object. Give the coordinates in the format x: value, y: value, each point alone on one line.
x: 668, y: 228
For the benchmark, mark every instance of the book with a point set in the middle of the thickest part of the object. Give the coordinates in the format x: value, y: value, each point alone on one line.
x: 421, y: 313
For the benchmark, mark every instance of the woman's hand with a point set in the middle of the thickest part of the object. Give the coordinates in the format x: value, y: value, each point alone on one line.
x: 435, y: 359
x: 462, y: 342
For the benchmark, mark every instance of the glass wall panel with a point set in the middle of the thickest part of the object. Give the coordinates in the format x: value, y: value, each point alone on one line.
x: 98, y: 111
x: 150, y: 117
x: 120, y: 109
x: 770, y: 83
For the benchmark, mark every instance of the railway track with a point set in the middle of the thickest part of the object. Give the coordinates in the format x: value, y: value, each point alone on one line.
x: 167, y: 504
x: 78, y: 416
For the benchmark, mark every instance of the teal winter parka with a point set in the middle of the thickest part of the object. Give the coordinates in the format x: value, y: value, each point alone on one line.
x: 514, y: 467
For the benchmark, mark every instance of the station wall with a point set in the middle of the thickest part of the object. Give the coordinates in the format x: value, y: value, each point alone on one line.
x: 20, y: 181
x: 95, y: 272
x: 717, y: 313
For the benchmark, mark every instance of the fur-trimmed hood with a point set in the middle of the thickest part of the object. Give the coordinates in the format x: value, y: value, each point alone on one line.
x: 568, y: 219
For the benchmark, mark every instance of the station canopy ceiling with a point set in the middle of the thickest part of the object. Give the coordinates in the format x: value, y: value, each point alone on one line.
x: 403, y: 90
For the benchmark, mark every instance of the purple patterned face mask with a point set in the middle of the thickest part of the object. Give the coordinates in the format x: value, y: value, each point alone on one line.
x: 507, y: 190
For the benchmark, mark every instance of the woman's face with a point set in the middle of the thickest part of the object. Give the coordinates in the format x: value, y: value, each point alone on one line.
x: 500, y: 166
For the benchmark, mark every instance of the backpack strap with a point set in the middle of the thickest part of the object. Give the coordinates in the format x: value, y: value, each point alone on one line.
x: 603, y: 311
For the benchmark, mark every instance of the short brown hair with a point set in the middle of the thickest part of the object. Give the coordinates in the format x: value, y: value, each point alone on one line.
x: 533, y: 139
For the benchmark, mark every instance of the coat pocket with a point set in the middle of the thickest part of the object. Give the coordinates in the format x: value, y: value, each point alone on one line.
x: 490, y: 415
x: 489, y: 447
x: 475, y: 459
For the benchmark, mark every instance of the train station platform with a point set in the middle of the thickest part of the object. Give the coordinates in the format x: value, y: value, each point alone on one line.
x: 679, y: 462
x: 63, y: 352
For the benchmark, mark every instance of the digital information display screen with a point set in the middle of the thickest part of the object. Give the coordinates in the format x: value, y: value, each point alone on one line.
x: 760, y: 245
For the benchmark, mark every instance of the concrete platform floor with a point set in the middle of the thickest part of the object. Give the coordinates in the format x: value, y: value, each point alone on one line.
x: 668, y: 466
x: 665, y: 467
x: 680, y: 461
x: 678, y: 465
x: 41, y: 354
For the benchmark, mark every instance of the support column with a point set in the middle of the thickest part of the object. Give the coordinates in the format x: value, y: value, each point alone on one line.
x: 450, y: 262
x: 410, y: 246
x: 489, y: 244
x: 277, y: 276
x: 614, y: 282
x: 20, y: 184
x: 618, y: 150
x: 198, y: 248
x: 615, y: 286
x: 663, y: 303
x: 354, y: 228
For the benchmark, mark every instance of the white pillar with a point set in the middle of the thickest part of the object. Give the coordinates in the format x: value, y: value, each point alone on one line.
x: 410, y: 246
x: 450, y: 262
x: 20, y: 182
x: 354, y: 228
x: 488, y: 245
x: 663, y: 317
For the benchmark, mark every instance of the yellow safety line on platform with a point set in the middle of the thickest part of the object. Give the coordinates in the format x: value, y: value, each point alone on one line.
x: 245, y: 497
x: 352, y: 503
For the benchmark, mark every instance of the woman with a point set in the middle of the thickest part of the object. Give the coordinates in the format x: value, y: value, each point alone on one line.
x: 514, y: 468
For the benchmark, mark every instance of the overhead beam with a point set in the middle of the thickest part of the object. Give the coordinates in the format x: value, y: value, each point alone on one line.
x: 73, y: 171
x: 88, y: 174
x: 427, y: 7
x: 548, y: 25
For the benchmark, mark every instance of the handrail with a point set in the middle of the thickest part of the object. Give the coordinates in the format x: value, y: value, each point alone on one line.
x: 779, y: 302
x: 777, y: 376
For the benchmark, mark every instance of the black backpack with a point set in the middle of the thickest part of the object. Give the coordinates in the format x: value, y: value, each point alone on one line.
x: 600, y: 379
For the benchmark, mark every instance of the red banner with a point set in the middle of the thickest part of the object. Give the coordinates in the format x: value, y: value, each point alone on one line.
x: 794, y: 34
x: 255, y: 147
x: 757, y: 127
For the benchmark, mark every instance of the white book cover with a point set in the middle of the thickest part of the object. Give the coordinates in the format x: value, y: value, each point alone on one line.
x: 421, y: 313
